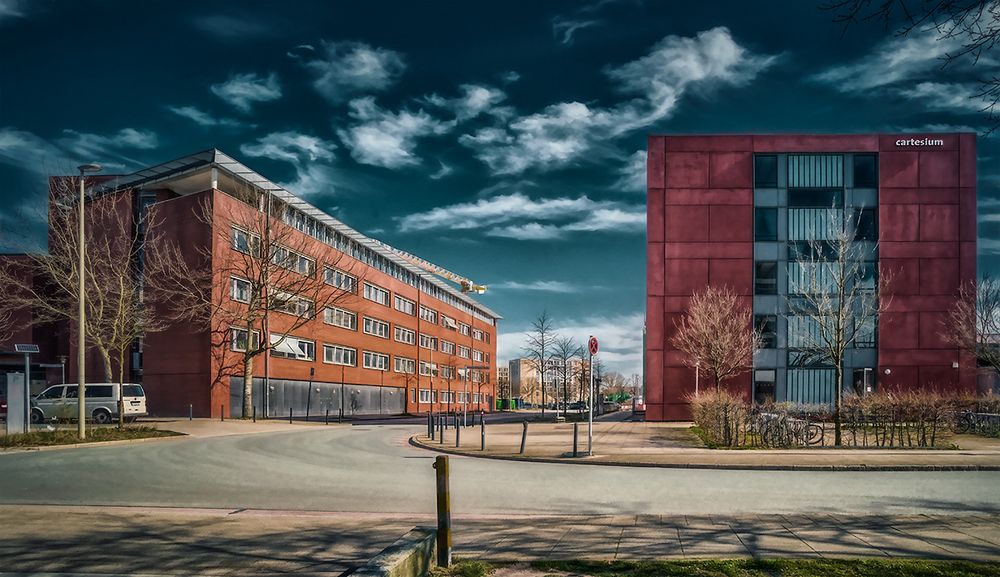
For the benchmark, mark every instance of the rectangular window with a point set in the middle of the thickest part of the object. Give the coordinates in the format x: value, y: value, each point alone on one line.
x: 763, y: 385
x: 765, y: 278
x: 463, y: 329
x: 478, y: 335
x: 428, y: 342
x: 815, y: 198
x: 815, y: 171
x: 339, y: 355
x: 425, y: 396
x: 811, y: 278
x: 239, y: 339
x: 865, y: 333
x: 867, y: 276
x: 427, y: 369
x: 377, y: 361
x: 340, y: 279
x: 865, y: 171
x: 245, y: 242
x: 405, y: 335
x: 463, y: 352
x: 478, y: 356
x: 288, y: 258
x: 376, y: 294
x: 241, y: 290
x: 447, y: 347
x: 292, y: 348
x: 767, y: 326
x: 404, y: 365
x: 342, y: 318
x: 428, y: 315
x: 448, y: 322
x: 814, y: 223
x: 765, y: 227
x: 405, y: 305
x: 283, y: 302
x: 765, y: 171
x: 866, y: 225
x: 376, y: 328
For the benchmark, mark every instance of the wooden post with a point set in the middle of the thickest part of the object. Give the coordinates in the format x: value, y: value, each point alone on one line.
x: 576, y: 434
x: 443, y: 512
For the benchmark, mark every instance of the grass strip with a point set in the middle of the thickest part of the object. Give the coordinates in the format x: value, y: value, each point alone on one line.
x: 69, y: 436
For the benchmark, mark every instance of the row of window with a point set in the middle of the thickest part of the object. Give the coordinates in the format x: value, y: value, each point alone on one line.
x: 449, y: 397
x: 814, y: 224
x: 809, y: 277
x: 815, y: 170
x: 341, y: 242
x: 289, y: 347
x: 803, y: 333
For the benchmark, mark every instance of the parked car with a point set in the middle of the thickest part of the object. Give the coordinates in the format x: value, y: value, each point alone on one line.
x: 60, y: 402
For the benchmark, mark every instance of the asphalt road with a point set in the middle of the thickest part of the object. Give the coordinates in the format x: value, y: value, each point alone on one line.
x: 371, y: 468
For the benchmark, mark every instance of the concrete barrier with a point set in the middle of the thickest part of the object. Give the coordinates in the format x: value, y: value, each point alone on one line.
x: 411, y: 556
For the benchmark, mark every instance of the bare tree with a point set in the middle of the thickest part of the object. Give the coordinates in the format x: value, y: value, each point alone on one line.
x: 47, y: 283
x: 973, y: 323
x: 529, y: 388
x: 539, y: 346
x: 564, y: 351
x: 971, y: 28
x: 256, y: 291
x: 6, y: 325
x: 834, y: 298
x: 717, y: 333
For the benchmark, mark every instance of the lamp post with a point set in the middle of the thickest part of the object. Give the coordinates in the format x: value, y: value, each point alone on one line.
x: 81, y: 338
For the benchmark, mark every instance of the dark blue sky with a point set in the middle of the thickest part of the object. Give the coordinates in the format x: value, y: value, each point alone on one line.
x: 503, y: 141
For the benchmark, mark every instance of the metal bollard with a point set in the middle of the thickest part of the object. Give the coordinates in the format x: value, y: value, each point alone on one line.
x: 443, y: 512
x: 327, y: 421
x: 482, y: 433
x: 190, y: 412
x: 441, y: 424
x: 430, y: 427
x: 222, y: 412
x: 289, y: 415
x: 524, y: 435
x: 255, y: 413
x: 458, y: 436
x: 576, y: 435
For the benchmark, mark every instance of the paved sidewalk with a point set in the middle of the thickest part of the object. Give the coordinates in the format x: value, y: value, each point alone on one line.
x: 89, y: 540
x: 217, y: 428
x: 673, y: 445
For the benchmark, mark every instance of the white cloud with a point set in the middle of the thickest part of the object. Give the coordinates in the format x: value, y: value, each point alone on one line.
x: 28, y: 151
x: 565, y: 28
x: 510, y: 77
x: 564, y: 132
x: 98, y: 147
x: 620, y: 340
x: 291, y: 147
x: 202, y: 118
x: 959, y: 97
x: 520, y: 217
x: 10, y: 9
x: 443, y: 172
x: 308, y: 154
x: 348, y: 68
x: 553, y: 286
x: 632, y: 174
x: 244, y: 90
x: 384, y: 138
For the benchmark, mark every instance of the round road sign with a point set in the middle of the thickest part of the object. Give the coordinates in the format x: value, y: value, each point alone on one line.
x: 592, y: 345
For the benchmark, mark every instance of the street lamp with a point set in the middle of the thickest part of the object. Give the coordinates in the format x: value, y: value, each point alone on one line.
x: 81, y: 339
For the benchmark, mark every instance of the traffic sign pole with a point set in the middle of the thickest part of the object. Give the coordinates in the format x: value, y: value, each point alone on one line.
x: 592, y: 347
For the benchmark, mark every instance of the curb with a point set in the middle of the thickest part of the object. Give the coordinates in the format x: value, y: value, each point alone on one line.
x: 17, y: 450
x: 412, y: 555
x: 717, y: 466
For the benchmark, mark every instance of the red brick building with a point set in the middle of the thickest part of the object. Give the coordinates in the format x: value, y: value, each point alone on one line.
x: 725, y: 210
x: 398, y: 342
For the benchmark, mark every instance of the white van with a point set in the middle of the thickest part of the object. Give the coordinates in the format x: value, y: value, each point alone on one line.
x: 60, y: 402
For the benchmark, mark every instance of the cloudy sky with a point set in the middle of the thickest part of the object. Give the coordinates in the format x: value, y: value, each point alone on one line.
x: 504, y: 141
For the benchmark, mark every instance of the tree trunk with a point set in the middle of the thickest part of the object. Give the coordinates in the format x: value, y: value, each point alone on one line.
x: 106, y: 361
x: 247, y: 388
x: 837, y: 393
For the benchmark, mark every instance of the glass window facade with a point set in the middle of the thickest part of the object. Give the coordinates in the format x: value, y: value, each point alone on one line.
x: 765, y: 278
x: 765, y: 171
x: 765, y: 224
x: 865, y: 171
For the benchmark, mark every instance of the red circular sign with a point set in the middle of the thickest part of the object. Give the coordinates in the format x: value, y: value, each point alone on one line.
x: 592, y: 345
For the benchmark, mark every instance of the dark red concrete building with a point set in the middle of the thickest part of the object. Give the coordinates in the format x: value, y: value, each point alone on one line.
x: 729, y: 210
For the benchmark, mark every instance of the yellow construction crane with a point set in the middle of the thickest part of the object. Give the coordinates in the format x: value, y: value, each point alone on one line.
x: 466, y: 285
